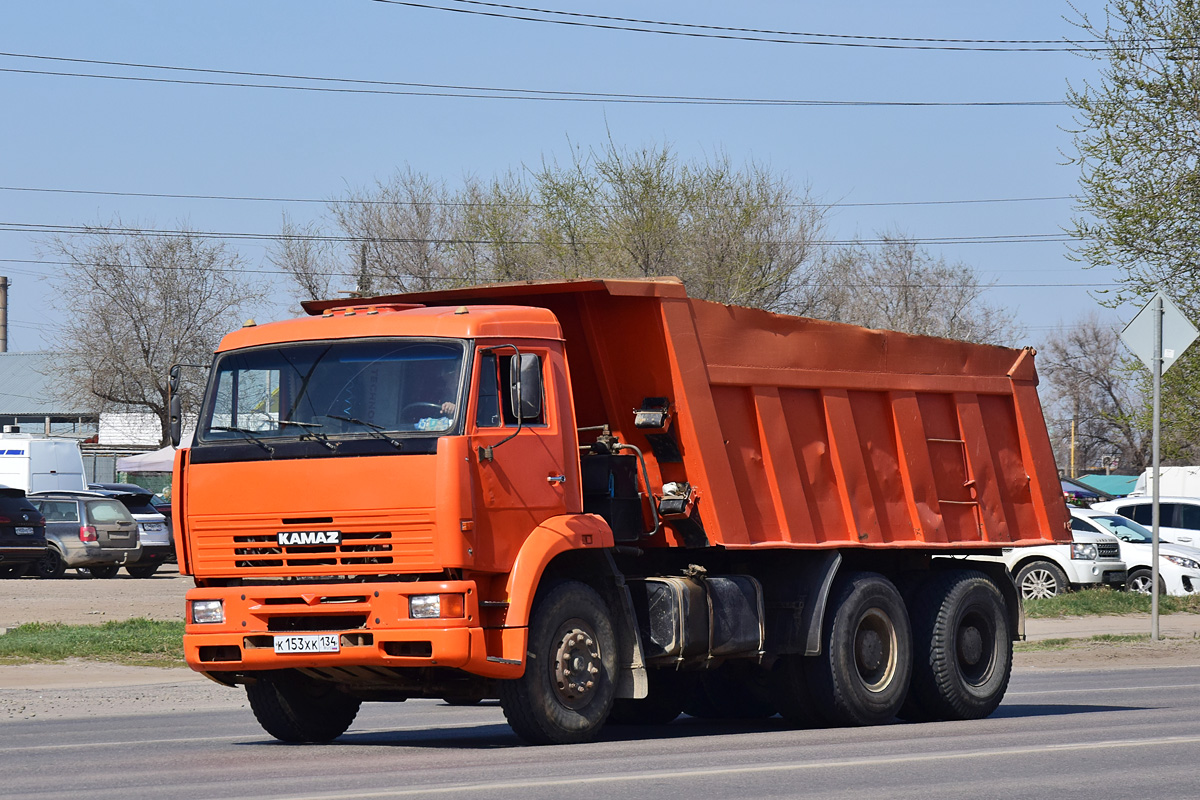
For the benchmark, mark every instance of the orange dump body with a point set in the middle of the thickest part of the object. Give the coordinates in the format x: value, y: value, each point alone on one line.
x: 802, y: 433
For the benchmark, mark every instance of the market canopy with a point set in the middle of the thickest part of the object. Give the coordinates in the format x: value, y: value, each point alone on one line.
x: 161, y: 460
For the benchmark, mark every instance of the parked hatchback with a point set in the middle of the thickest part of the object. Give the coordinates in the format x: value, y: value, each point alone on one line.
x: 22, y: 533
x: 154, y: 532
x: 85, y: 529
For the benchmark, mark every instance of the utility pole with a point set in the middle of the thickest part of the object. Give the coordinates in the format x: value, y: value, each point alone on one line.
x: 3, y: 314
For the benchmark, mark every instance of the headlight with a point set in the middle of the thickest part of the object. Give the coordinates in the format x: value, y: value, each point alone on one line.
x: 435, y: 606
x: 208, y: 611
x: 1186, y: 563
x: 1086, y: 552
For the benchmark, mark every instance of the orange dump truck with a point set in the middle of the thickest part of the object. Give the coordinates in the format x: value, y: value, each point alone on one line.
x: 602, y: 501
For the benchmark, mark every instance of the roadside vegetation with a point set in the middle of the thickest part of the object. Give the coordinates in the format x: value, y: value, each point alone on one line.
x: 134, y: 642
x: 1092, y: 602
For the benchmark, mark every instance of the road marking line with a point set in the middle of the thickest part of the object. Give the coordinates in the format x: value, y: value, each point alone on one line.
x: 691, y: 774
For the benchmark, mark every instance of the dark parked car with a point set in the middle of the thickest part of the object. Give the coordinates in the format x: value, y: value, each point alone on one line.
x: 22, y: 533
x: 154, y: 529
x: 85, y: 529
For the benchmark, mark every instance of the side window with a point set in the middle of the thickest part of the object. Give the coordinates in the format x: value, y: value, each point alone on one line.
x: 58, y: 510
x: 496, y: 393
x: 487, y: 414
x: 1188, y: 516
x: 1078, y: 524
x: 1140, y: 513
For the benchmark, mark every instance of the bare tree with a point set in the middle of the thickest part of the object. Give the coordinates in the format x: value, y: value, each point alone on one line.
x: 1089, y: 378
x: 306, y: 254
x: 900, y: 286
x: 141, y: 301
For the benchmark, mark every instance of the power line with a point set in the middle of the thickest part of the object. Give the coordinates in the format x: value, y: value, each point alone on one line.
x: 484, y: 92
x: 738, y: 34
x: 485, y: 203
x: 26, y: 227
x: 981, y: 286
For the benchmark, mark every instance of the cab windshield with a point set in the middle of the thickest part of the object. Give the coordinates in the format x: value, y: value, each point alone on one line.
x: 336, y: 388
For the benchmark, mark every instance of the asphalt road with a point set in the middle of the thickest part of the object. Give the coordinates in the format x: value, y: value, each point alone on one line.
x: 1062, y: 734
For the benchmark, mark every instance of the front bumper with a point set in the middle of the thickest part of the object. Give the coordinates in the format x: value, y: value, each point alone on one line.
x: 371, y: 623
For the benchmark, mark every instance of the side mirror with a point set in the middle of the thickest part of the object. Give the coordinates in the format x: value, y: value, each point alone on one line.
x: 173, y: 378
x: 176, y: 420
x: 526, y: 387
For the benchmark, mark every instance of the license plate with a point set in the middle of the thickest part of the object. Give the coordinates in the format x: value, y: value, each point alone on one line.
x: 23, y: 531
x: 153, y: 527
x: 308, y: 643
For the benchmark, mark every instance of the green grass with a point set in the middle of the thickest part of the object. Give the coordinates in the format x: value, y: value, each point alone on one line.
x: 138, y: 642
x: 1091, y: 602
x: 1066, y: 644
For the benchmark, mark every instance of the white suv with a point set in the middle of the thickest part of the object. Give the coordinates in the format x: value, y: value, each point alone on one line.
x: 1047, y: 570
x: 1178, y: 517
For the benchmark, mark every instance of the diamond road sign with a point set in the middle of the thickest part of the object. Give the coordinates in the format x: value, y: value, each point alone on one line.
x: 1177, y: 333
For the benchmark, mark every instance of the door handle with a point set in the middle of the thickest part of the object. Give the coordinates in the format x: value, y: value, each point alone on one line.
x: 557, y: 479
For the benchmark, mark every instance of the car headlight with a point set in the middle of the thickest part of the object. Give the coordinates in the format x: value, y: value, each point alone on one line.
x: 435, y: 606
x: 1186, y: 563
x: 208, y: 611
x: 1087, y: 552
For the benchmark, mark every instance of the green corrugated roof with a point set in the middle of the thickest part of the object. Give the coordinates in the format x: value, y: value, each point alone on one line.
x: 1116, y: 485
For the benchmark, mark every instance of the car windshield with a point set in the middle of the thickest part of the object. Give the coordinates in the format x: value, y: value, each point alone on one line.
x: 1124, y: 529
x: 353, y: 387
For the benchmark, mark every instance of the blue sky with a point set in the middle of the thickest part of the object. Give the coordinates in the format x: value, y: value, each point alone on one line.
x: 103, y: 135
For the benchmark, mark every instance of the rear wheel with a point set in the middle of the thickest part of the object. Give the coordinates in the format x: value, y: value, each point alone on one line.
x: 293, y: 708
x: 105, y: 571
x: 570, y: 672
x: 1041, y: 579
x: 141, y: 570
x: 50, y: 565
x: 862, y: 674
x: 962, y: 648
x: 1140, y: 580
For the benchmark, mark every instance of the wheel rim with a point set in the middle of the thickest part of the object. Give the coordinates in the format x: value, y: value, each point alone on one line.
x: 576, y: 664
x: 1140, y: 584
x: 975, y: 646
x: 875, y: 650
x: 1039, y: 584
x: 48, y: 564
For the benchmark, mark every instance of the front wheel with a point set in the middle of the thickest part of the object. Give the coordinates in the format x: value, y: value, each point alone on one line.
x: 1038, y: 580
x: 1140, y: 580
x: 104, y: 571
x: 570, y: 671
x: 50, y: 565
x: 293, y: 708
x: 862, y: 674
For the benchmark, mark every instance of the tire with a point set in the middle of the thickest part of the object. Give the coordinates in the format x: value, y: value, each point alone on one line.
x: 141, y: 570
x: 1139, y: 581
x: 12, y: 570
x: 862, y: 674
x: 734, y: 691
x: 293, y: 708
x: 669, y: 692
x: 567, y: 690
x: 50, y: 565
x: 962, y: 649
x: 1041, y: 579
x: 793, y: 693
x: 105, y: 571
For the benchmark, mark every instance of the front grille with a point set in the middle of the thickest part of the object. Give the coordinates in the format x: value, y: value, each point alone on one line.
x: 317, y: 622
x: 1109, y: 550
x: 356, y: 548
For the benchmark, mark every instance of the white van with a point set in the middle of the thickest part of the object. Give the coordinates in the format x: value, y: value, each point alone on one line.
x: 40, y: 464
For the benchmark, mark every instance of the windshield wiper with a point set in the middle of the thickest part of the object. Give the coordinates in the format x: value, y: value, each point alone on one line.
x: 320, y: 438
x: 375, y: 430
x: 247, y: 434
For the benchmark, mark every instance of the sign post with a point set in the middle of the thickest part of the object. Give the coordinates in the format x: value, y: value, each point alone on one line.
x: 1158, y: 335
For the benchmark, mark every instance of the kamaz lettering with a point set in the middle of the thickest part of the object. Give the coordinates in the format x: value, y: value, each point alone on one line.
x: 292, y: 538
